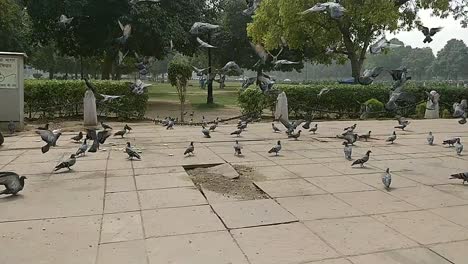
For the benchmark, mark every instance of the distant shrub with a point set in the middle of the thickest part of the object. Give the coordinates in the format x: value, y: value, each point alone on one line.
x: 252, y: 101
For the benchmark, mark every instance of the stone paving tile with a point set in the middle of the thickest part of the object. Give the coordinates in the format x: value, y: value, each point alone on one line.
x: 274, y: 173
x: 424, y: 227
x: 43, y: 199
x: 77, y: 175
x: 128, y: 252
x: 375, y: 202
x: 204, y: 248
x: 159, y: 181
x: 119, y: 173
x: 331, y: 261
x: 252, y: 213
x: 181, y: 220
x: 455, y: 189
x: 150, y: 171
x: 121, y: 202
x: 288, y: 187
x: 280, y: 244
x: 358, y: 235
x: 312, y: 170
x: 317, y: 207
x: 31, y: 168
x: 70, y: 240
x: 121, y: 227
x: 455, y: 251
x: 288, y: 162
x: 120, y: 184
x: 32, y: 158
x: 456, y: 214
x: 119, y: 164
x: 347, y: 169
x: 402, y: 256
x: 426, y: 197
x: 173, y: 197
x: 339, y: 184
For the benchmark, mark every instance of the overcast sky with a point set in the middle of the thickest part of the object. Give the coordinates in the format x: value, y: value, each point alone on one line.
x: 452, y: 29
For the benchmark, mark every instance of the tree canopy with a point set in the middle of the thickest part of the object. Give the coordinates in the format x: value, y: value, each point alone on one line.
x: 14, y: 27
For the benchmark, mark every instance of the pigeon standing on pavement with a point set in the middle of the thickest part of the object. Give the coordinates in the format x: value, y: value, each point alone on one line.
x: 348, y: 150
x: 48, y: 137
x: 430, y: 139
x: 392, y: 138
x: 12, y: 127
x: 190, y: 149
x: 351, y: 138
x: 462, y: 176
x: 214, y: 126
x: 237, y: 132
x: 120, y: 133
x: 387, y: 179
x: 206, y: 132
x: 365, y: 136
x: 314, y: 128
x: 450, y: 142
x: 276, y: 148
x: 131, y: 153
x: 362, y: 160
x: 67, y: 164
x: 275, y: 129
x: 170, y: 124
x: 458, y: 147
x: 13, y: 182
x: 78, y: 137
x: 295, y: 135
x: 82, y: 149
x: 237, y: 149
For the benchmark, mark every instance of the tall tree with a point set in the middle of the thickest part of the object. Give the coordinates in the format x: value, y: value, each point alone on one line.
x: 452, y: 60
x: 350, y: 36
x: 14, y: 27
x: 419, y: 62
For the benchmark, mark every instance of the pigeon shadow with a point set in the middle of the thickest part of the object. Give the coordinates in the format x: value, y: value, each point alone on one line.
x: 12, y: 197
x: 63, y: 172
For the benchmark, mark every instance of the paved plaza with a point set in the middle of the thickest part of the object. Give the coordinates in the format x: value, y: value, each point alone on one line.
x: 319, y: 209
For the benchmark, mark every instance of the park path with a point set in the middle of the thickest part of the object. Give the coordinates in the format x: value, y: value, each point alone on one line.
x: 318, y: 210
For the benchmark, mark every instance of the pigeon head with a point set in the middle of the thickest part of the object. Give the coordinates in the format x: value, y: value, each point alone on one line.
x: 72, y: 156
x: 458, y: 140
x: 394, y: 133
x: 128, y: 144
x: 387, y: 170
x: 368, y: 152
x: 237, y: 141
x: 279, y: 142
x: 191, y: 143
x: 272, y: 124
x: 370, y: 132
x: 430, y: 133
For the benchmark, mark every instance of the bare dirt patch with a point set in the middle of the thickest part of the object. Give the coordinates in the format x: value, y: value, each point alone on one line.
x: 240, y: 188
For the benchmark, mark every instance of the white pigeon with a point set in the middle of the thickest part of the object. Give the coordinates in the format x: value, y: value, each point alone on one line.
x: 387, y: 179
x: 205, y: 44
x: 65, y: 20
x: 233, y: 68
x: 126, y: 31
x: 335, y: 10
x: 201, y: 27
x: 458, y: 147
x: 348, y: 150
x: 380, y: 45
x: 430, y: 139
x: 110, y: 98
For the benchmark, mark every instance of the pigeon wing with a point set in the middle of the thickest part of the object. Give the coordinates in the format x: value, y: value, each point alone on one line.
x: 433, y: 31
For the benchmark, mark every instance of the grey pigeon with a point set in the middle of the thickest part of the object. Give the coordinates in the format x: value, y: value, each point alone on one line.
x: 91, y: 135
x: 387, y: 179
x: 403, y: 121
x: 13, y: 182
x: 2, y: 139
x: 366, y: 136
x: 462, y: 176
x: 237, y: 132
x: 276, y: 148
x: 67, y: 164
x: 11, y: 127
x: 252, y: 6
x: 295, y: 135
x: 362, y: 160
x: 380, y: 45
x: 231, y: 68
x: 170, y: 124
x: 369, y: 76
x: 120, y: 133
x: 459, y: 109
x: 131, y: 153
x: 348, y: 150
x: 458, y: 147
x: 102, y: 136
x: 126, y: 31
x: 204, y: 44
x: 402, y: 126
x: 335, y: 10
x: 206, y: 132
x: 306, y: 125
x: 275, y: 129
x: 201, y: 28
x: 78, y: 137
x: 280, y: 63
x: 105, y: 126
x: 350, y: 129
x: 428, y: 33
x: 392, y: 138
x: 128, y: 128
x: 214, y: 126
x: 48, y: 137
x: 351, y: 138
x: 65, y: 20
x: 237, y: 149
x: 82, y: 149
x: 430, y: 139
x: 450, y: 142
x: 314, y: 128
x: 190, y: 149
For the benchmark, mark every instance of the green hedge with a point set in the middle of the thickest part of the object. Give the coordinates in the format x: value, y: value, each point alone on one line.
x: 344, y: 100
x: 54, y: 98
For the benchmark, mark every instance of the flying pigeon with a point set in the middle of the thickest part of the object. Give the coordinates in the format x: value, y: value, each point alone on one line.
x: 78, y: 137
x: 400, y: 75
x: 428, y: 33
x: 314, y: 128
x: 201, y: 27
x: 11, y: 127
x: 242, y: 125
x: 276, y: 148
x: 280, y: 63
x: 459, y: 109
x: 369, y: 76
x: 139, y: 87
x: 204, y: 44
x: 126, y: 31
x: 365, y: 136
x: 82, y: 149
x: 67, y: 164
x: 48, y: 137
x: 131, y: 153
x: 380, y: 45
x: 90, y: 86
x: 335, y: 10
x: 91, y: 135
x: 323, y: 91
x: 295, y: 135
x: 105, y: 126
x: 237, y: 132
x: 387, y: 179
x: 403, y: 121
x: 190, y: 149
x: 13, y: 182
x: 458, y: 147
x: 46, y: 127
x: 200, y: 72
x: 450, y: 142
x: 103, y: 135
x: 261, y: 52
x: 252, y: 6
x: 110, y: 98
x: 402, y: 126
x: 206, y: 132
x: 64, y: 20
x: 275, y: 129
x: 348, y: 150
x: 462, y: 176
x: 120, y: 133
x: 391, y: 138
x: 237, y: 149
x: 430, y: 139
x: 306, y: 125
x: 350, y: 129
x: 232, y: 68
x: 362, y: 160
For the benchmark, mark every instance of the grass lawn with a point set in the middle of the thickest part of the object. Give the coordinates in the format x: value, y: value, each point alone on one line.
x: 195, y: 95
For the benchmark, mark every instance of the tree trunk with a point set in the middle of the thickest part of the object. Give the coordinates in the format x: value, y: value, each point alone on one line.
x: 356, y: 66
x: 51, y: 73
x: 209, y: 98
x: 106, y: 67
x: 182, y: 110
